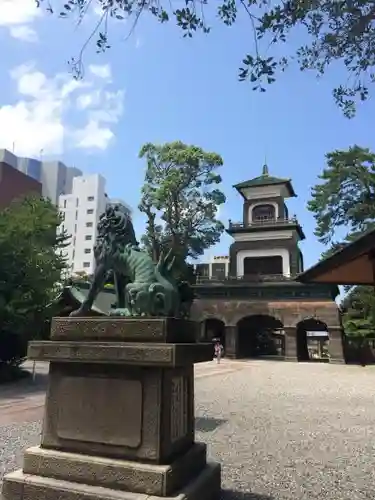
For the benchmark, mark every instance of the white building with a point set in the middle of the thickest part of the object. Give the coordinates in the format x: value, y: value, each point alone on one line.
x: 81, y: 211
x: 216, y: 267
x: 56, y: 178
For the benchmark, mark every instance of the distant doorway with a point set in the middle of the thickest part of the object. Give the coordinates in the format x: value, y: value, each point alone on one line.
x: 312, y: 340
x: 214, y: 329
x: 260, y: 335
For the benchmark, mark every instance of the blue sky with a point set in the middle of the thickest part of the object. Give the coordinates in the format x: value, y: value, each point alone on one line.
x: 159, y: 87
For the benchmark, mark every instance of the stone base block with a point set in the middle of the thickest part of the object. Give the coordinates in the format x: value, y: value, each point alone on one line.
x: 20, y: 486
x: 137, y: 477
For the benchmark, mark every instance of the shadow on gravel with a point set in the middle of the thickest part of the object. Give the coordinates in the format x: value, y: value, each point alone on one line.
x: 240, y: 495
x: 208, y: 424
x: 24, y: 387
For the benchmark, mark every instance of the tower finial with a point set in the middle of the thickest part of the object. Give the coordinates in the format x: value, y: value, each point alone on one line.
x: 265, y: 170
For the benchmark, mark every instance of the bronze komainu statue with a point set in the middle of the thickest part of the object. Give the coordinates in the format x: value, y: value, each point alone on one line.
x: 143, y: 288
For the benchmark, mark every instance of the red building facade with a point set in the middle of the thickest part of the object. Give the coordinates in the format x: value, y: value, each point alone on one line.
x: 15, y: 184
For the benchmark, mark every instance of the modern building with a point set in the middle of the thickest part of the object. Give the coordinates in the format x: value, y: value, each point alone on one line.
x: 217, y: 268
x: 15, y: 184
x: 258, y: 308
x: 56, y: 178
x: 81, y: 210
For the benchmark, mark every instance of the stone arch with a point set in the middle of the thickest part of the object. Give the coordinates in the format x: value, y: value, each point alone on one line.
x: 273, y: 212
x: 213, y: 328
x: 258, y: 309
x: 260, y: 335
x: 205, y: 316
x: 203, y: 309
x: 312, y: 337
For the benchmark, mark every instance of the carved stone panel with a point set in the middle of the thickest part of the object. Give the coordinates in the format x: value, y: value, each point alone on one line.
x: 100, y: 410
x: 179, y: 408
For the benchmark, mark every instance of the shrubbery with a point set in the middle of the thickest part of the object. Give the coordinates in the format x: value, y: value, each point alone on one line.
x: 30, y: 267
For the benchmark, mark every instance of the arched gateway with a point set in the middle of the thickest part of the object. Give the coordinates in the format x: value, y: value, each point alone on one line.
x: 312, y: 340
x: 260, y: 335
x: 260, y: 307
x: 214, y: 329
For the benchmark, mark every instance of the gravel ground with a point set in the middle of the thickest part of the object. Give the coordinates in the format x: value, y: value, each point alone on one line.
x: 281, y: 431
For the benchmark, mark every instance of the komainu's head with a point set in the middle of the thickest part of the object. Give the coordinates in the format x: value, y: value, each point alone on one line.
x: 114, y: 220
x: 115, y: 230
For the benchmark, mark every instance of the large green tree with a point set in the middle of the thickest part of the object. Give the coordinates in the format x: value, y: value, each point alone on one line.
x: 31, y: 267
x: 180, y: 198
x: 332, y: 30
x: 343, y: 204
x: 344, y: 199
x: 358, y: 308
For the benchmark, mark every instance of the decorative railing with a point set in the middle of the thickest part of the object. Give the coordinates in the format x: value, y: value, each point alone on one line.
x: 249, y: 278
x: 264, y: 222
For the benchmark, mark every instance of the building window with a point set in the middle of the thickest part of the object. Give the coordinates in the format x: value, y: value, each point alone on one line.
x: 64, y: 203
x: 89, y: 224
x: 90, y: 211
x: 218, y: 271
x: 90, y: 198
x: 87, y: 250
x: 88, y: 237
x: 263, y: 212
x: 73, y: 254
x: 203, y: 270
x: 254, y: 266
x: 75, y: 228
x: 77, y: 202
x: 86, y: 264
x: 76, y: 214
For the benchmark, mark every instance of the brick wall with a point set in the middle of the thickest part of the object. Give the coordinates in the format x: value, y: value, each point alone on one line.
x: 15, y: 184
x: 290, y: 313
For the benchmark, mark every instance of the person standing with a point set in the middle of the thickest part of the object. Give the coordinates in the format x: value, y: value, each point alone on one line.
x: 218, y: 351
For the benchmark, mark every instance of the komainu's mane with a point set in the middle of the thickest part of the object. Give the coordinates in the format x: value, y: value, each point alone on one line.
x: 115, y: 231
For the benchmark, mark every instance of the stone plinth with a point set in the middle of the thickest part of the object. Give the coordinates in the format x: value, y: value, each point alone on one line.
x: 119, y: 414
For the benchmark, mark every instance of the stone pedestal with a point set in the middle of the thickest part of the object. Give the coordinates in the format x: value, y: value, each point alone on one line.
x: 119, y: 414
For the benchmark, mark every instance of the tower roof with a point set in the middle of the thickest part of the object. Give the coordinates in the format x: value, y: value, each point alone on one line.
x: 266, y: 180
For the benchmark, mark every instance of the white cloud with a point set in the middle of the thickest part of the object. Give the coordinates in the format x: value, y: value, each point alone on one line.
x: 18, y: 11
x: 103, y: 107
x: 24, y: 33
x: 94, y: 136
x: 17, y: 15
x: 44, y: 116
x: 112, y: 107
x: 84, y: 101
x: 101, y: 71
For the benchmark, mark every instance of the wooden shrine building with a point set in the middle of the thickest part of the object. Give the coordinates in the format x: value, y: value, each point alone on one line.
x: 352, y: 265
